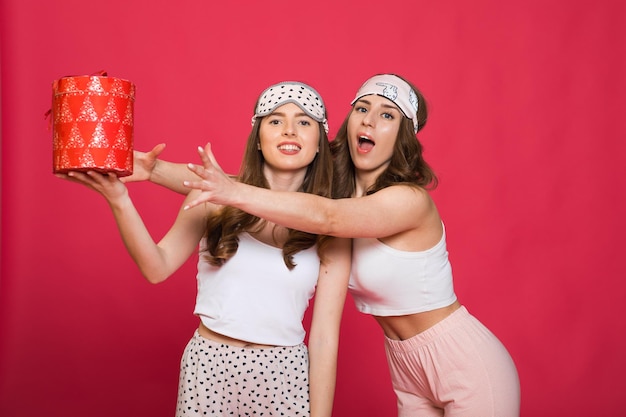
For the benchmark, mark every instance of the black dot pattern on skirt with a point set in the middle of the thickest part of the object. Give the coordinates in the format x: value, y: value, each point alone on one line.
x: 222, y: 380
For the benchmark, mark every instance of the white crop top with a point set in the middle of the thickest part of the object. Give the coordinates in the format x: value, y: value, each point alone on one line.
x: 390, y: 282
x: 254, y: 296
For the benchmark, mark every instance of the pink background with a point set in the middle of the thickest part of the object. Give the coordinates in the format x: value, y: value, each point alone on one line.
x: 527, y: 132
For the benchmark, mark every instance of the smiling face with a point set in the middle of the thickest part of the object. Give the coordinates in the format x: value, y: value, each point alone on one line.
x: 373, y: 128
x: 289, y: 140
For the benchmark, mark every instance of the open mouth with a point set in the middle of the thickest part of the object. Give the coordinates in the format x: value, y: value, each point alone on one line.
x: 365, y: 143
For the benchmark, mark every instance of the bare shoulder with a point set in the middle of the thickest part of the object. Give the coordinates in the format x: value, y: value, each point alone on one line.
x: 416, y: 210
x: 407, y: 197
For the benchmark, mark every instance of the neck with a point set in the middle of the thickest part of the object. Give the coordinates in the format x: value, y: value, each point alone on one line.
x: 363, y: 181
x: 284, y: 180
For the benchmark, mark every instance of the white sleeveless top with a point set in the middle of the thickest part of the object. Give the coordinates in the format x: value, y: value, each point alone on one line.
x: 254, y: 296
x: 390, y: 282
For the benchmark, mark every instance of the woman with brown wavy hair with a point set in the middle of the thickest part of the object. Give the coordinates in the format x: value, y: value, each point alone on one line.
x: 442, y: 360
x: 255, y: 277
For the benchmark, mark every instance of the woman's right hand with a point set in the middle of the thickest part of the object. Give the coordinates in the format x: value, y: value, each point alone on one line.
x: 108, y: 185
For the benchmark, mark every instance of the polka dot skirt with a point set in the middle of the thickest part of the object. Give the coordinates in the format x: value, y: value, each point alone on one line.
x: 221, y: 380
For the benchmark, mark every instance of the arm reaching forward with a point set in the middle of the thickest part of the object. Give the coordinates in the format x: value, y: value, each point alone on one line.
x: 390, y: 211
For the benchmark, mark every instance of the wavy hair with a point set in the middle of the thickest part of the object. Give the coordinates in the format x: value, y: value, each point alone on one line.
x: 407, y: 164
x: 224, y: 226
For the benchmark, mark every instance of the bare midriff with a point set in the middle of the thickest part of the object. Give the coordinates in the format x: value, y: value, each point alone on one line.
x: 220, y: 338
x: 405, y: 327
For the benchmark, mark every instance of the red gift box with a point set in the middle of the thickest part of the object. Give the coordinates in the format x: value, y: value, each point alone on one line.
x: 92, y: 119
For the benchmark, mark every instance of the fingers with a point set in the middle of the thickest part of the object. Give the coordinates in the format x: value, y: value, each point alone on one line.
x: 90, y: 178
x: 198, y: 170
x: 196, y: 185
x: 209, y: 164
x: 78, y: 178
x: 156, y: 151
x: 192, y: 204
x: 112, y: 177
x: 65, y: 177
x: 207, y: 157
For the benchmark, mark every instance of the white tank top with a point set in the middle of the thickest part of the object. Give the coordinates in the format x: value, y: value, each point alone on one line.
x: 254, y: 296
x: 390, y: 282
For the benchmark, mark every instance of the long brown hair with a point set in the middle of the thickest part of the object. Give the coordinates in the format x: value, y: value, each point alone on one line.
x: 407, y: 164
x: 224, y: 226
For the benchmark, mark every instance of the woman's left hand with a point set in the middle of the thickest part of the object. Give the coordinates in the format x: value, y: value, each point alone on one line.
x: 216, y: 186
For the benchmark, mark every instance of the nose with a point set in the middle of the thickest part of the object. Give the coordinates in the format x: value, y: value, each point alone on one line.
x: 289, y: 128
x: 368, y: 119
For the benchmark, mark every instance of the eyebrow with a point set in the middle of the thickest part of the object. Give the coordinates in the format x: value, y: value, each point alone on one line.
x: 279, y: 113
x: 386, y: 105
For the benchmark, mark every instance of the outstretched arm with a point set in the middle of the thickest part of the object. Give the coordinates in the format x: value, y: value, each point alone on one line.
x: 155, y: 261
x: 385, y: 213
x: 147, y: 167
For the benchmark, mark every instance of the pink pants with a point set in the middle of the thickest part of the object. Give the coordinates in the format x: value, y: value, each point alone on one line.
x: 456, y: 368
